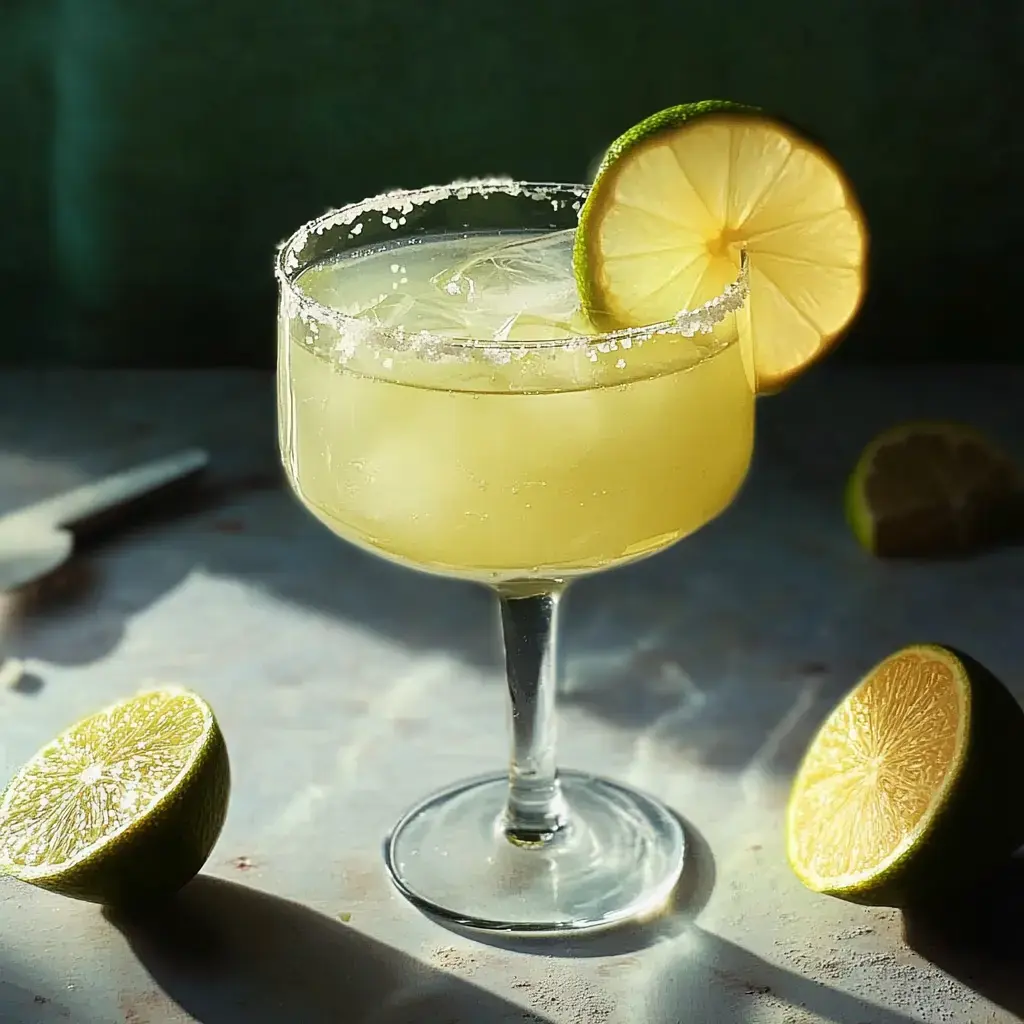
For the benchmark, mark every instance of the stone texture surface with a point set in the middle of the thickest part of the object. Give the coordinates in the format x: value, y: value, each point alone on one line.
x: 348, y: 688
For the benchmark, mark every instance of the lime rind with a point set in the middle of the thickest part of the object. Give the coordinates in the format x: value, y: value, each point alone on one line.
x: 671, y: 117
x: 851, y: 883
x: 855, y: 505
x: 966, y: 827
x: 860, y: 515
x: 779, y: 355
x: 159, y: 846
x: 582, y: 256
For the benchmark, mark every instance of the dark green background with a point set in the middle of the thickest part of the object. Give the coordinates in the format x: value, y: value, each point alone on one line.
x: 153, y: 152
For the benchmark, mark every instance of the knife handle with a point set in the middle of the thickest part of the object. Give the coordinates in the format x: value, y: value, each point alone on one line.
x: 92, y: 499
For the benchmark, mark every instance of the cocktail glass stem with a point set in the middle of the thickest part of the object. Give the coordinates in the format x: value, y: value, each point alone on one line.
x: 535, y: 810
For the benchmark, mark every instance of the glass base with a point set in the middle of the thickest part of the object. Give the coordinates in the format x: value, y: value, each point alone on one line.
x: 617, y: 860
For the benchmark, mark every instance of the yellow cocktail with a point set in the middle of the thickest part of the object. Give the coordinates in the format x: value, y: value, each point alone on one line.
x: 564, y: 459
x: 448, y: 401
x: 444, y: 403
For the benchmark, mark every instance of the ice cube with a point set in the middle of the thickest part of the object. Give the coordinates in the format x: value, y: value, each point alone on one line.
x: 523, y: 274
x: 416, y: 313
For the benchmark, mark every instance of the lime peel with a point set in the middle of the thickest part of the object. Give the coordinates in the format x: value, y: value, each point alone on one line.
x: 933, y: 487
x: 679, y: 197
x: 123, y: 806
x: 895, y: 798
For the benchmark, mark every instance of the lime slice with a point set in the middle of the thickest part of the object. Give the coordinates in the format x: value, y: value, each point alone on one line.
x: 680, y: 195
x: 123, y: 807
x: 902, y: 793
x: 933, y: 488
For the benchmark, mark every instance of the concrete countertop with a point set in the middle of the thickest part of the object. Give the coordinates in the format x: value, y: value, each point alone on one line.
x: 348, y: 688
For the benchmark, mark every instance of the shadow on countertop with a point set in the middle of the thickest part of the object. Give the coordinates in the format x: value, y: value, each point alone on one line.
x: 58, y: 599
x: 726, y: 651
x: 691, y: 895
x: 979, y: 939
x: 229, y: 954
x: 721, y: 982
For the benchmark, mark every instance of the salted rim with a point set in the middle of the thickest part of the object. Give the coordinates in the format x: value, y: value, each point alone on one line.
x: 393, y: 206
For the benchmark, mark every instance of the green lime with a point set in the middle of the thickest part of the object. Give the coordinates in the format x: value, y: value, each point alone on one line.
x: 933, y: 488
x: 677, y: 199
x: 910, y: 789
x: 123, y: 807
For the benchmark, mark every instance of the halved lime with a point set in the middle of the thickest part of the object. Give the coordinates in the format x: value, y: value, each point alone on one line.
x: 913, y: 785
x: 934, y: 488
x: 123, y: 807
x: 680, y: 195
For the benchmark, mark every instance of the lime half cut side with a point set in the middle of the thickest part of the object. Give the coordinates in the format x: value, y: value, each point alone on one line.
x: 911, y: 786
x: 933, y: 489
x: 681, y: 195
x: 123, y: 807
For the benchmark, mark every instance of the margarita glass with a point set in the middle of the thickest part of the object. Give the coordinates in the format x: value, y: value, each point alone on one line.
x: 443, y: 403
